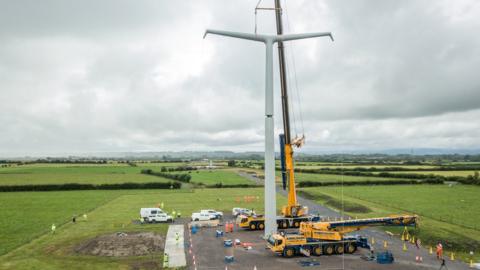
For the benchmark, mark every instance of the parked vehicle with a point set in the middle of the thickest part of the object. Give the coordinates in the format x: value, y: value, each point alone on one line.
x: 154, y: 215
x: 242, y: 211
x: 208, y: 214
x: 161, y: 217
x: 213, y: 213
x: 201, y: 216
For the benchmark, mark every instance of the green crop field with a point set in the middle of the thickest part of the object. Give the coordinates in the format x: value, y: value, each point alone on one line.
x: 84, y: 174
x: 443, y: 173
x: 327, y: 178
x: 312, y: 165
x: 448, y: 214
x: 25, y: 215
x: 212, y: 177
x: 114, y: 212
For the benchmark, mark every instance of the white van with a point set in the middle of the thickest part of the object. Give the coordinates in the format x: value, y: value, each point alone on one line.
x: 154, y: 215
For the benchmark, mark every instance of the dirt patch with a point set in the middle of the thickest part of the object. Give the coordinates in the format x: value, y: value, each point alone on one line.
x: 122, y: 244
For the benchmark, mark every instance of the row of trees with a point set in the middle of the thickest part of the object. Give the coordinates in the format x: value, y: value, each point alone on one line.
x: 470, y: 180
x: 177, y: 177
x: 177, y: 169
x: 74, y: 186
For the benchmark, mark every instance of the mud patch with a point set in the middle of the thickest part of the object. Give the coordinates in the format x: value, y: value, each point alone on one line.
x: 122, y: 245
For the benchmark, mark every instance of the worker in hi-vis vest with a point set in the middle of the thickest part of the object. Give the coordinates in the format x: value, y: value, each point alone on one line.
x: 439, y: 251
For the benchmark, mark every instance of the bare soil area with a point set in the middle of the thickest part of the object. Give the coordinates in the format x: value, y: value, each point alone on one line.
x: 122, y: 244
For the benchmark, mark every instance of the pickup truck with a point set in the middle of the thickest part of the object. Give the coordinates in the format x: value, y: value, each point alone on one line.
x: 159, y: 217
x: 213, y: 213
x: 207, y: 215
x: 201, y: 216
x: 242, y: 211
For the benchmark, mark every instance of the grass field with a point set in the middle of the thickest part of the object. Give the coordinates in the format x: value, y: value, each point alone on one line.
x: 154, y: 165
x: 25, y: 215
x: 116, y: 214
x: 68, y: 173
x: 304, y: 165
x: 448, y: 214
x: 212, y: 177
x: 327, y: 178
x: 443, y: 173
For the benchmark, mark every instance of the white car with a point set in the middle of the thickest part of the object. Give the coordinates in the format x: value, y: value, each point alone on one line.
x: 201, y: 217
x: 154, y: 215
x: 146, y: 212
x: 242, y: 211
x: 214, y: 214
x: 160, y: 217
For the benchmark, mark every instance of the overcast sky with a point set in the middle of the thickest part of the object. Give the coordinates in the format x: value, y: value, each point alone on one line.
x: 86, y: 76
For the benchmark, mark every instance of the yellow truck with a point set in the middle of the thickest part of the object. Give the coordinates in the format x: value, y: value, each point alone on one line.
x: 328, y: 238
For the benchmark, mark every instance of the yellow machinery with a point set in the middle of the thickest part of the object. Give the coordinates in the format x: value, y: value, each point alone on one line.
x: 317, y: 238
x: 292, y: 213
x: 292, y: 209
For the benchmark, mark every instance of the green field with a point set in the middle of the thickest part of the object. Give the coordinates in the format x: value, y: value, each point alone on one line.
x: 116, y: 214
x: 327, y: 178
x: 25, y: 215
x: 303, y: 165
x: 68, y: 173
x: 448, y: 214
x: 154, y: 165
x: 212, y: 177
x: 443, y: 173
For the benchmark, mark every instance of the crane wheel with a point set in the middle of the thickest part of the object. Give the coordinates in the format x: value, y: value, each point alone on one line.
x: 329, y: 250
x: 253, y: 226
x: 339, y: 249
x: 349, y: 248
x: 296, y: 224
x: 317, y: 251
x: 284, y: 225
x: 261, y: 226
x: 289, y: 252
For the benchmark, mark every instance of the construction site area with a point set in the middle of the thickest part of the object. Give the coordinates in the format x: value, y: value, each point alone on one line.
x: 225, y: 245
x: 288, y: 205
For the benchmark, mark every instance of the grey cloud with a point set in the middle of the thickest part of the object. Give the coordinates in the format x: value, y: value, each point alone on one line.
x: 86, y: 76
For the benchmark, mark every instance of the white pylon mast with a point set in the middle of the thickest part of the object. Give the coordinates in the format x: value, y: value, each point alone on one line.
x: 269, y: 40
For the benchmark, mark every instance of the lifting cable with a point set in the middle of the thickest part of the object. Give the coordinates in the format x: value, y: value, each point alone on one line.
x: 296, y: 91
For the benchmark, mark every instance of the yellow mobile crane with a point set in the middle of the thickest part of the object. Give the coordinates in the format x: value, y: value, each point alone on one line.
x: 292, y: 213
x: 328, y: 238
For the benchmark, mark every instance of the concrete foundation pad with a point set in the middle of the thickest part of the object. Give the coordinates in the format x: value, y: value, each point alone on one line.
x: 175, y: 249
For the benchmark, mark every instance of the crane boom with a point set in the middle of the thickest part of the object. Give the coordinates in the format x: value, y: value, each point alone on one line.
x: 337, y: 229
x: 330, y: 237
x: 292, y: 209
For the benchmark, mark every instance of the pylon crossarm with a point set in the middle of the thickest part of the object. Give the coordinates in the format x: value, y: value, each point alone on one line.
x: 248, y: 36
x: 289, y: 37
